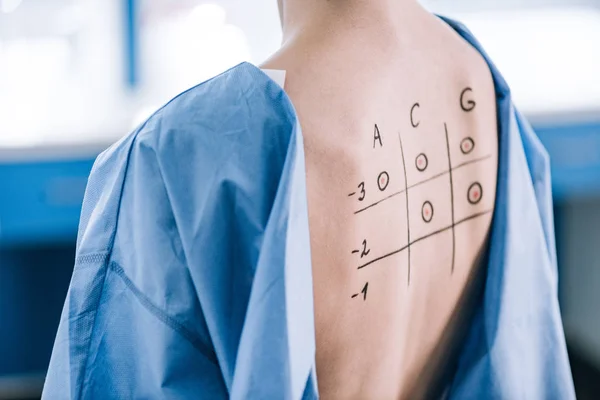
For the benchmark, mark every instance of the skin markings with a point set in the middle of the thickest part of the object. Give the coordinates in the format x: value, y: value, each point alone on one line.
x: 377, y: 137
x: 363, y: 291
x: 467, y: 145
x: 361, y: 186
x: 378, y: 202
x: 475, y: 160
x: 421, y: 162
x: 365, y: 251
x: 451, y: 197
x: 383, y: 180
x: 412, y: 110
x: 407, y: 208
x: 470, y: 217
x: 470, y: 104
x: 427, y: 211
x: 474, y: 192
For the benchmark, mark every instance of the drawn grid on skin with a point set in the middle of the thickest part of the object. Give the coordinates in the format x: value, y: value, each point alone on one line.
x: 470, y: 217
x: 451, y: 197
x: 407, y: 209
x: 422, y: 182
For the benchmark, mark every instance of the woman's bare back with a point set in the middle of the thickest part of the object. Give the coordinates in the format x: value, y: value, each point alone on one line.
x: 400, y: 138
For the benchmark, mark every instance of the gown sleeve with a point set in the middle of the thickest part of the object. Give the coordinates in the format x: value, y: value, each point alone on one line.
x: 516, y: 347
x: 191, y: 257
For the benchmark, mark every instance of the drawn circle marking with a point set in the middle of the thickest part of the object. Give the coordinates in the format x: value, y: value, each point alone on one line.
x: 467, y: 145
x: 427, y: 211
x: 421, y: 162
x: 475, y: 193
x: 383, y: 180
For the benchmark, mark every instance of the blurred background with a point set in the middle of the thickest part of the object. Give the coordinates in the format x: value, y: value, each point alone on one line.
x: 76, y: 75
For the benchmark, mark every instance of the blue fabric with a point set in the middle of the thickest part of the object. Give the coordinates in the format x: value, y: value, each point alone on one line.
x: 193, y: 275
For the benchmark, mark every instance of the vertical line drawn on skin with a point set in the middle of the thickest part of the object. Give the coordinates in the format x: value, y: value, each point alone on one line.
x: 451, y: 197
x: 407, y: 209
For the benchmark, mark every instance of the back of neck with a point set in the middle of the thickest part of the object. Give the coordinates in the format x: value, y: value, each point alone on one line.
x: 303, y: 17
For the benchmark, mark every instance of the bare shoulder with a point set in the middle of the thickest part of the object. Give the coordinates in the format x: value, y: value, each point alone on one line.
x: 467, y: 65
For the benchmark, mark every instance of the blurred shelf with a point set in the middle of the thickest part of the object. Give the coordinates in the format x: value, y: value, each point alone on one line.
x: 22, y: 387
x: 43, y: 187
x: 41, y: 198
x: 574, y: 151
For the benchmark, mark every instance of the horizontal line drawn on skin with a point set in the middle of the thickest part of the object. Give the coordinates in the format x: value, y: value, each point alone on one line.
x: 422, y: 182
x: 470, y: 217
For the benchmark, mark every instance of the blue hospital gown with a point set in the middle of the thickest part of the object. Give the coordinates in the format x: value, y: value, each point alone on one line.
x: 193, y: 277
